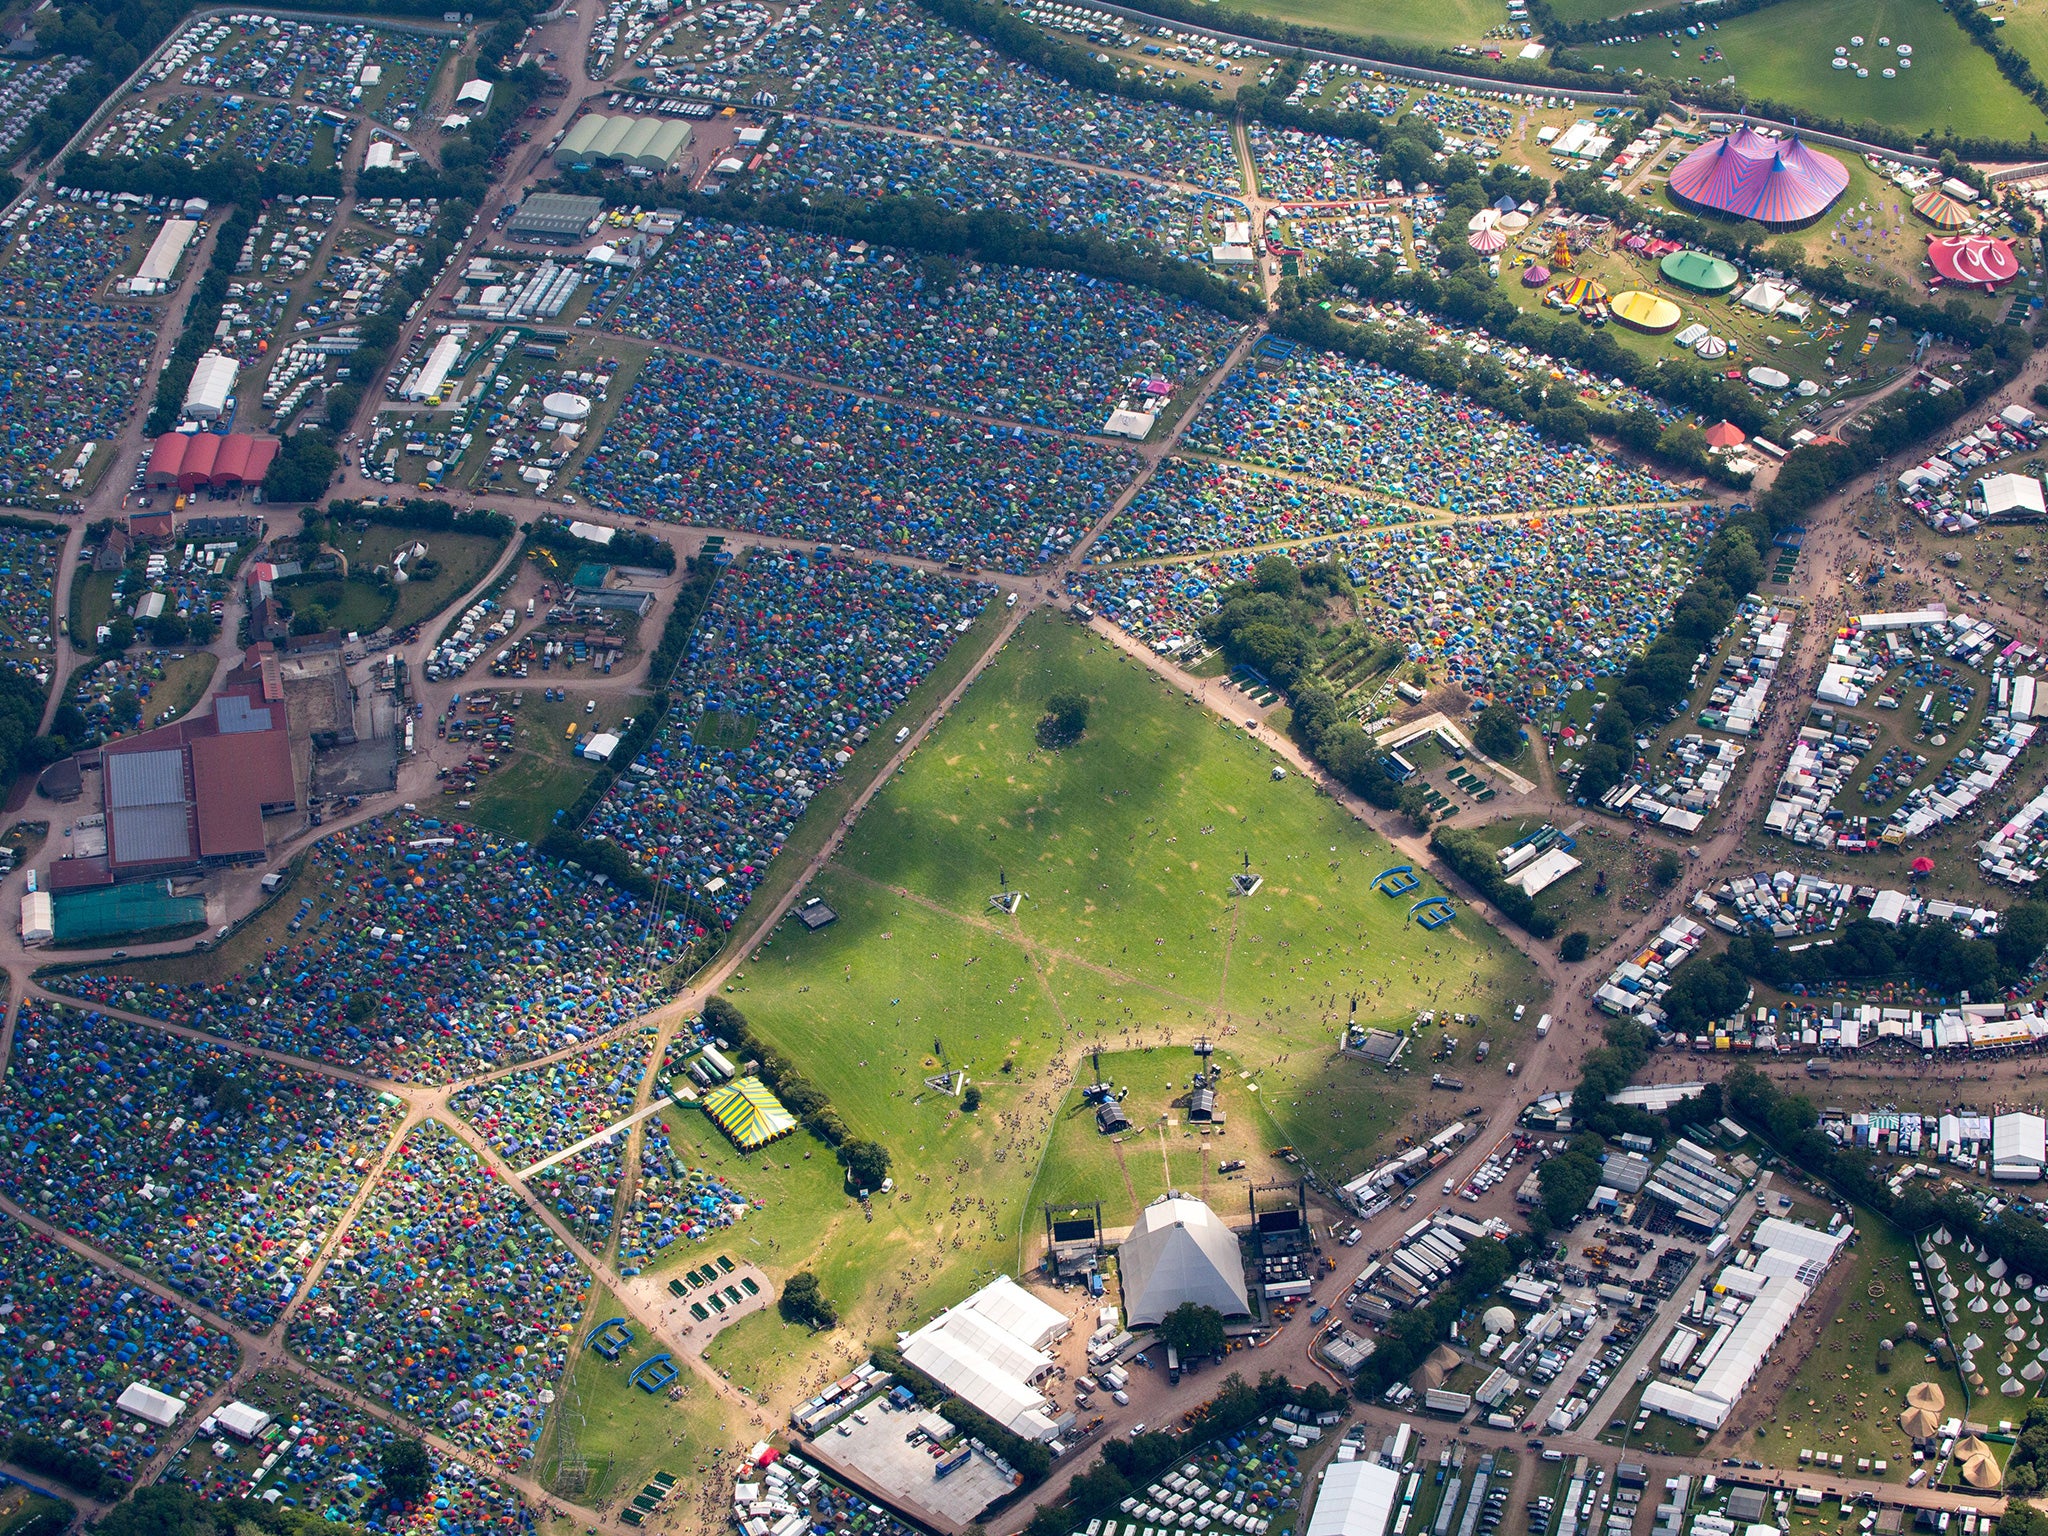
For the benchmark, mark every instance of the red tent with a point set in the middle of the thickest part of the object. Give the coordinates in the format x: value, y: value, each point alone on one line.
x: 1973, y: 259
x: 1725, y: 434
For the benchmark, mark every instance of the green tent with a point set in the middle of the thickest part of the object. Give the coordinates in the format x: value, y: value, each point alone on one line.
x: 747, y: 1112
x: 1699, y: 271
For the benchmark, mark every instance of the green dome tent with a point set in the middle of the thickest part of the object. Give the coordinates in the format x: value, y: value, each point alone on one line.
x: 1699, y: 271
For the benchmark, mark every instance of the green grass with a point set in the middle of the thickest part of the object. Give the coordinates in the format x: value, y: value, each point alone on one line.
x: 1456, y: 21
x: 919, y: 975
x: 463, y: 559
x: 357, y: 603
x: 1783, y: 54
x: 1838, y: 1400
x: 2026, y: 29
x: 543, y: 775
x: 184, y: 683
x: 626, y: 1434
x: 1162, y: 1150
x: 1599, y: 10
x: 92, y: 601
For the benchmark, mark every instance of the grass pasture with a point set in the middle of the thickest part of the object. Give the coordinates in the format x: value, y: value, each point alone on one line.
x: 1123, y: 844
x: 1784, y: 54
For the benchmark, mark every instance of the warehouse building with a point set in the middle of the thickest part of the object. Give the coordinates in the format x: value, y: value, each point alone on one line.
x: 552, y: 218
x: 193, y: 461
x: 195, y: 793
x: 651, y: 144
x: 1357, y: 1499
x: 160, y: 263
x: 427, y: 382
x: 1750, y: 1307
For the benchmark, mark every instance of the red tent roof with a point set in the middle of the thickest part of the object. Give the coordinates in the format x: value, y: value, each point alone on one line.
x: 1725, y: 434
x: 190, y: 460
x: 1751, y: 175
x: 1973, y: 259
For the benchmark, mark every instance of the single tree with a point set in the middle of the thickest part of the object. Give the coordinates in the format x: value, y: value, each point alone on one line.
x: 1497, y: 732
x: 1573, y: 946
x: 970, y: 1101
x: 1194, y: 1330
x: 866, y: 1163
x: 803, y: 1302
x: 1065, y: 718
x: 404, y: 1470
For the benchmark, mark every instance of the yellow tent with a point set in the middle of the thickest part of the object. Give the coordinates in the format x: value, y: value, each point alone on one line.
x: 747, y: 1112
x: 1645, y: 311
x: 1982, y: 1472
x: 1928, y: 1395
x: 1919, y: 1423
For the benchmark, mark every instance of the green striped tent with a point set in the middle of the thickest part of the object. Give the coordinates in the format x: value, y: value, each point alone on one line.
x: 747, y: 1112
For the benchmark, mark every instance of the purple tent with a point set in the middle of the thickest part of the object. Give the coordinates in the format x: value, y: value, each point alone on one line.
x: 1778, y: 182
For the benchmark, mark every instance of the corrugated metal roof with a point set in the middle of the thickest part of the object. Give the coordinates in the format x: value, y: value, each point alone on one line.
x: 151, y: 834
x: 145, y: 778
x: 233, y: 713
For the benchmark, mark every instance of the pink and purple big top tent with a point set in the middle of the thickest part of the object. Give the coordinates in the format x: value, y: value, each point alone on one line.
x: 1779, y: 183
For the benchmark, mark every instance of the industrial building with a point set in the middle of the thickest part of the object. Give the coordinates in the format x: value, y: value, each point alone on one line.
x: 213, y: 382
x: 193, y: 461
x: 991, y: 1351
x: 160, y: 263
x: 552, y: 218
x: 1180, y: 1251
x: 651, y: 144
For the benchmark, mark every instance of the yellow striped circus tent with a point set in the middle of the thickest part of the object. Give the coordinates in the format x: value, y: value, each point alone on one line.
x: 747, y: 1112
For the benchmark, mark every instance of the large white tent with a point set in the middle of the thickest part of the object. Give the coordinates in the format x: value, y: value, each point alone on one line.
x: 991, y: 1351
x: 1180, y: 1252
x: 1357, y: 1499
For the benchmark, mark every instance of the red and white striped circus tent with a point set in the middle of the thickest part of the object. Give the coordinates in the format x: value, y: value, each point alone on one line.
x: 1779, y: 183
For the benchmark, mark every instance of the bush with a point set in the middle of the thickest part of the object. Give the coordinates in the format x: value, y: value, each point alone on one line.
x: 64, y: 1464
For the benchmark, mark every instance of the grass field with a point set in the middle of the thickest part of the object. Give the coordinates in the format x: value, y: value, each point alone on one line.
x: 1124, y: 845
x: 463, y: 558
x: 2026, y: 29
x: 544, y: 774
x: 1784, y: 54
x: 92, y: 601
x: 1598, y: 10
x: 353, y: 604
x: 1838, y: 1401
x: 184, y: 684
x: 1162, y: 1151
x: 1455, y: 21
x: 626, y: 1435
